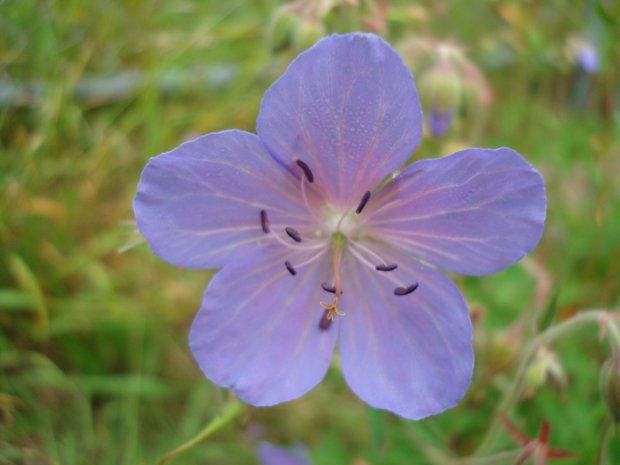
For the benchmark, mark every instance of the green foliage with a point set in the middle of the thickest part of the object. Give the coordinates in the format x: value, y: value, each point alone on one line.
x: 94, y: 366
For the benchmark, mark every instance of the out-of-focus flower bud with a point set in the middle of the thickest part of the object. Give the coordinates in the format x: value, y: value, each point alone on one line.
x: 442, y: 87
x: 449, y: 83
x: 503, y: 348
x: 284, y: 23
x: 545, y: 370
x: 441, y: 90
x: 583, y: 53
x: 308, y: 32
x: 609, y: 384
x: 587, y: 56
x: 439, y: 122
x: 497, y: 350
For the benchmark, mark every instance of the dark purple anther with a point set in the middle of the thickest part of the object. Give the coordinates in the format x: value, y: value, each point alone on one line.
x: 363, y: 202
x: 290, y: 268
x: 406, y: 290
x: 325, y: 322
x: 386, y: 267
x: 293, y: 234
x: 264, y: 221
x: 327, y: 288
x: 306, y: 169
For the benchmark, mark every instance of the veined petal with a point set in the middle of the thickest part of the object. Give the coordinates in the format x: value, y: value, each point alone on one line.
x: 199, y: 205
x: 349, y: 108
x: 257, y: 332
x: 410, y: 354
x: 473, y: 212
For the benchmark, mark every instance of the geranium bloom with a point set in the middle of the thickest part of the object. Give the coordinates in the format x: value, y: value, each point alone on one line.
x: 319, y: 241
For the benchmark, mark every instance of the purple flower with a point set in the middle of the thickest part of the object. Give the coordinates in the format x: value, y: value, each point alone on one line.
x: 270, y: 454
x: 587, y: 57
x: 318, y: 240
x: 439, y: 122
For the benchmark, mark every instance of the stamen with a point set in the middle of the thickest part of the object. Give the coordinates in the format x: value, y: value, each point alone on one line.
x: 356, y: 253
x: 311, y: 259
x: 331, y: 289
x: 386, y: 267
x: 326, y: 321
x: 363, y: 202
x: 368, y: 251
x: 264, y: 221
x: 360, y: 257
x: 306, y: 203
x: 382, y: 209
x: 306, y: 169
x: 293, y: 234
x: 296, y: 247
x: 290, y: 268
x: 406, y: 290
x: 327, y: 288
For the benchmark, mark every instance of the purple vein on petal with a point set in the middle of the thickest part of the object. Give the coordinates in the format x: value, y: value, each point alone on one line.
x: 431, y: 284
x: 377, y: 129
x: 269, y: 182
x: 387, y: 386
x: 309, y: 323
x: 400, y: 241
x: 307, y: 139
x: 274, y: 271
x: 347, y: 98
x: 426, y: 193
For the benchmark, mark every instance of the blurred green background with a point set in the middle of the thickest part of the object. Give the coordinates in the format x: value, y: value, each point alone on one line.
x: 94, y: 365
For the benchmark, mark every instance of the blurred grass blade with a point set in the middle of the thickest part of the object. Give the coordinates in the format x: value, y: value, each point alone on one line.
x: 122, y: 385
x: 231, y: 411
x: 14, y: 300
x: 376, y: 421
x: 28, y: 282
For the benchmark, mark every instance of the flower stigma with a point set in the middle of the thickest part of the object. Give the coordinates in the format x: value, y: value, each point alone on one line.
x: 332, y: 309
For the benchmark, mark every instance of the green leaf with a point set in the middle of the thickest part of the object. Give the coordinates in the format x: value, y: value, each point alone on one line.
x: 14, y: 300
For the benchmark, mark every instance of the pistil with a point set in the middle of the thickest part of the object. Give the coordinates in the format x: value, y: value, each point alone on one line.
x: 332, y: 309
x: 326, y: 321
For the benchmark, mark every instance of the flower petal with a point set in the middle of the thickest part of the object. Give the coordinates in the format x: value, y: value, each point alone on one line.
x: 410, y: 354
x: 270, y: 454
x: 257, y: 332
x: 473, y: 212
x: 199, y: 205
x: 349, y: 108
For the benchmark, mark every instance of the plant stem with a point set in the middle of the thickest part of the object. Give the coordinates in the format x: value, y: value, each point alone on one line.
x: 603, y: 446
x: 231, y: 411
x: 548, y: 336
x: 507, y: 456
